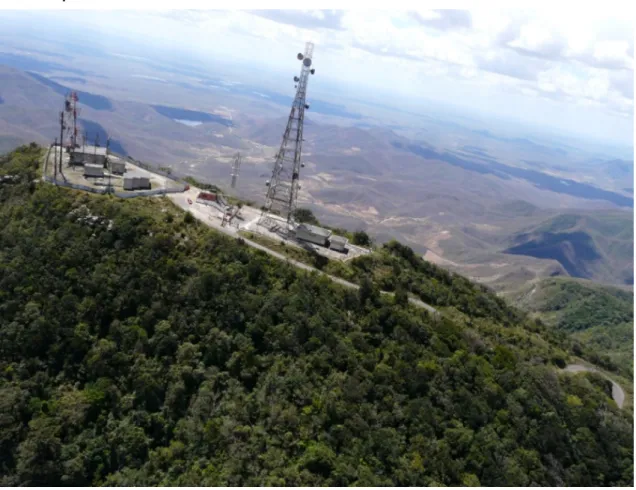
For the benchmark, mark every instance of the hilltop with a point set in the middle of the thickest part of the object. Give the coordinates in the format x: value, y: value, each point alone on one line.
x: 143, y: 348
x: 460, y: 197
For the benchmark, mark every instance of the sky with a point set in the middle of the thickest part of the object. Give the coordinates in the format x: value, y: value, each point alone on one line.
x: 557, y: 69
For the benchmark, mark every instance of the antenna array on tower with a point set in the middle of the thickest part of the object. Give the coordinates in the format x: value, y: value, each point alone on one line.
x: 71, y: 111
x: 282, y: 189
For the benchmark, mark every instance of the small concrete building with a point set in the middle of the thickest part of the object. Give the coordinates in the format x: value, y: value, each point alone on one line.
x: 117, y: 167
x: 88, y: 154
x: 338, y: 243
x: 313, y: 234
x: 136, y: 183
x: 93, y: 170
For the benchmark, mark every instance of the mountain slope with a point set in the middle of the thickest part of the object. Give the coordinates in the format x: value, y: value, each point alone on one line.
x: 600, y: 318
x: 141, y: 348
x: 597, y: 245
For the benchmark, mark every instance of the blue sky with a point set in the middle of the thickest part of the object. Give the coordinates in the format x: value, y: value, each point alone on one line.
x: 557, y: 69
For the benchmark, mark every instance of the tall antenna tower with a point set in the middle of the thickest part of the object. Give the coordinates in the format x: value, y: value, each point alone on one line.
x: 235, y: 169
x: 282, y: 189
x: 70, y: 108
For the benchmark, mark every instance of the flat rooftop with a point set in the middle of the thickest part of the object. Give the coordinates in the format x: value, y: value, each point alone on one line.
x: 90, y: 150
x: 340, y: 240
x: 315, y: 230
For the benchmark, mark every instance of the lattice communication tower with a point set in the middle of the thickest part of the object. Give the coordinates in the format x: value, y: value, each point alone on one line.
x: 71, y: 112
x: 282, y: 188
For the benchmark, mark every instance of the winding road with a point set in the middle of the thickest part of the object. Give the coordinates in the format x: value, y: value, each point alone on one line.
x: 618, y: 394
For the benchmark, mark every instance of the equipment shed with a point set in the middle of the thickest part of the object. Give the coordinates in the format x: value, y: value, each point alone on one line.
x: 93, y: 170
x: 313, y: 234
x: 338, y: 243
x: 135, y: 183
x: 88, y: 154
x: 118, y: 167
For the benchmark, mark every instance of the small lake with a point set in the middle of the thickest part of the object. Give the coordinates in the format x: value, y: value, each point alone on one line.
x: 189, y: 122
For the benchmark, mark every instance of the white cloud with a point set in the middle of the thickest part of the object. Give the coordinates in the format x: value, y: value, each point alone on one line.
x: 536, y: 39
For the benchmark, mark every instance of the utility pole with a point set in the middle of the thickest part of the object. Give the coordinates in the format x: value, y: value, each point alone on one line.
x: 282, y: 189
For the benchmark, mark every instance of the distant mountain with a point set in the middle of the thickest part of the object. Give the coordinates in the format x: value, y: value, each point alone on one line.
x: 574, y: 251
x: 524, y: 143
x: 539, y: 179
x: 618, y: 169
x: 591, y: 246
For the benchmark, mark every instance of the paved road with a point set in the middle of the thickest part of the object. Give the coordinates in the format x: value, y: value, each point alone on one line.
x: 617, y: 392
x: 210, y: 219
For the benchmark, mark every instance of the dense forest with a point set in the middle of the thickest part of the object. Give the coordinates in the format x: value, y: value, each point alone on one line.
x: 599, y: 319
x: 138, y: 347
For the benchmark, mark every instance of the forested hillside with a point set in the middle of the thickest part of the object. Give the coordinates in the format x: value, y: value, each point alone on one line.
x: 599, y: 318
x: 138, y: 347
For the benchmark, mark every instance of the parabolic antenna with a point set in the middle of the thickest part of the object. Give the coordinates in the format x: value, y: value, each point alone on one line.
x: 300, y: 56
x: 307, y: 62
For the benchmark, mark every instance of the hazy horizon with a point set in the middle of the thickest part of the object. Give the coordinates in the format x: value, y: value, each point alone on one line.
x: 548, y: 76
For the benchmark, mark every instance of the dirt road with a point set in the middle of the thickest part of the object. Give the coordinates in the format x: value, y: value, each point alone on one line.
x: 617, y: 392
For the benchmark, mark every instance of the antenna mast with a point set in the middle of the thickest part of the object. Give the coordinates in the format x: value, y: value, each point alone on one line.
x: 62, y: 128
x: 282, y: 190
x: 70, y: 108
x: 109, y: 166
x: 235, y: 169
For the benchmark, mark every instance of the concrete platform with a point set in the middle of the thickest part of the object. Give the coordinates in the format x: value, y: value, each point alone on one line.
x: 75, y: 174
